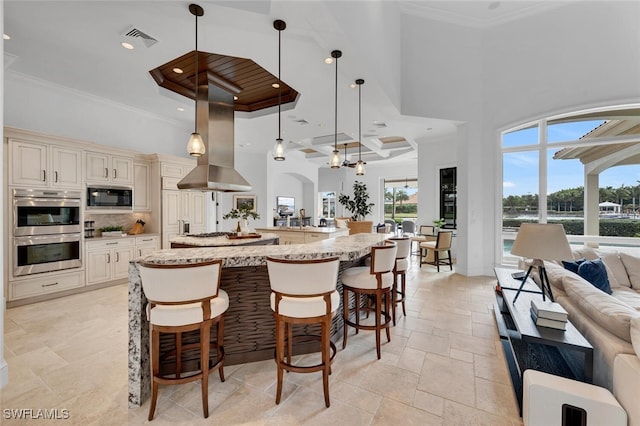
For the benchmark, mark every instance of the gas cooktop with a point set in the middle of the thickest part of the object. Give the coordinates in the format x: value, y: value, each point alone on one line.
x: 211, y: 234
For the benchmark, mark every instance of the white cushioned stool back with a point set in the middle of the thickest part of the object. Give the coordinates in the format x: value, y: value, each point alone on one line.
x: 383, y: 258
x: 444, y: 240
x: 303, y: 277
x: 180, y: 283
x: 427, y: 229
x: 404, y: 246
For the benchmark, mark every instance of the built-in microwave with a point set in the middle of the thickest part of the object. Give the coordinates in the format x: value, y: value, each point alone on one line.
x: 109, y: 197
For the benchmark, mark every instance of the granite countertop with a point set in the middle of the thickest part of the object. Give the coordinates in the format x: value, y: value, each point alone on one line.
x: 347, y: 248
x: 219, y: 241
x: 314, y: 229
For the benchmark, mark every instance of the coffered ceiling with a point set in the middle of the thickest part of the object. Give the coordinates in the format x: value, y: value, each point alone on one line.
x: 76, y: 45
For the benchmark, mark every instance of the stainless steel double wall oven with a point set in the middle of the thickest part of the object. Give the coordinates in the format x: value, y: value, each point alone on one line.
x: 47, y: 232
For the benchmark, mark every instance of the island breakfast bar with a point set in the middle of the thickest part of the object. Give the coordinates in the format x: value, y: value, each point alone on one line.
x: 249, y: 326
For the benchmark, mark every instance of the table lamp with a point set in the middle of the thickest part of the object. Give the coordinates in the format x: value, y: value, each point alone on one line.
x: 540, y: 241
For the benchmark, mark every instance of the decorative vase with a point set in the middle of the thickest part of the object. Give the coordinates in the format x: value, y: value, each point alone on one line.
x: 244, y: 226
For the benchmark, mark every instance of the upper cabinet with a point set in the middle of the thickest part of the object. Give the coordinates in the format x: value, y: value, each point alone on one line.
x: 43, y: 165
x: 106, y: 168
x: 141, y: 193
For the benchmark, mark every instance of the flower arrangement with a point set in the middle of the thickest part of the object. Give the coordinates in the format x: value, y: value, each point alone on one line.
x: 242, y: 212
x: 439, y: 223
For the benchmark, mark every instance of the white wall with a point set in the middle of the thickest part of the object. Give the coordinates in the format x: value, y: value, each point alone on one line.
x: 4, y: 368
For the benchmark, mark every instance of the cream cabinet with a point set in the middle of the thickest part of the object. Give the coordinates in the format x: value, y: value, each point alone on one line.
x: 42, y: 165
x: 105, y: 168
x: 146, y: 244
x: 108, y: 259
x: 304, y: 235
x: 45, y: 284
x: 180, y: 208
x: 141, y: 194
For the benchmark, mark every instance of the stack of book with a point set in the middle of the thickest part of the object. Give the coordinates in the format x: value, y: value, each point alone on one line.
x: 548, y: 314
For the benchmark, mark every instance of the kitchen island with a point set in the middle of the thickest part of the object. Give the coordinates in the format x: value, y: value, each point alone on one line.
x: 249, y: 325
x: 211, y: 240
x: 304, y: 234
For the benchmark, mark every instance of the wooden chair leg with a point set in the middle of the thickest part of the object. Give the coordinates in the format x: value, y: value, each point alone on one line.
x: 403, y: 287
x: 205, y: 344
x: 220, y: 345
x: 394, y: 297
x: 289, y: 329
x: 436, y: 257
x: 378, y: 314
x: 155, y: 370
x: 345, y: 316
x: 357, y: 297
x: 326, y: 325
x: 280, y: 331
x: 450, y: 261
x: 387, y: 302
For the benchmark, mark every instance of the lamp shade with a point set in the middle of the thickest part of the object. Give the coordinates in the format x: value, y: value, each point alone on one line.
x: 543, y: 241
x: 195, y: 146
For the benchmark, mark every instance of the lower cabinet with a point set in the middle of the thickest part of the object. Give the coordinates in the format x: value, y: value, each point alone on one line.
x: 146, y: 245
x: 49, y: 283
x: 109, y: 260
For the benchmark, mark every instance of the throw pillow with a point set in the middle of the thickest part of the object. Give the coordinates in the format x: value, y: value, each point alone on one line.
x: 632, y: 265
x: 573, y: 265
x: 595, y: 272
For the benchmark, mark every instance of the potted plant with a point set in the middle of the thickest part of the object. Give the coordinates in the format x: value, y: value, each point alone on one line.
x: 438, y: 223
x: 243, y: 212
x: 359, y: 208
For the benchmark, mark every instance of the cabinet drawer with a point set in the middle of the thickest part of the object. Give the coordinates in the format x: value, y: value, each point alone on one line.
x: 44, y: 285
x: 110, y: 243
x: 148, y: 240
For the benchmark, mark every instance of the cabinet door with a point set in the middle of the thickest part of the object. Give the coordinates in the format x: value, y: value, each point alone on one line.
x: 98, y: 266
x: 145, y: 249
x: 122, y: 170
x: 197, y: 210
x: 120, y: 260
x: 97, y: 167
x: 66, y: 167
x: 28, y: 164
x: 141, y: 187
x: 171, y: 211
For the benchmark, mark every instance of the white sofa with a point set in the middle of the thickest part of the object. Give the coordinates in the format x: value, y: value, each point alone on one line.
x: 611, y: 323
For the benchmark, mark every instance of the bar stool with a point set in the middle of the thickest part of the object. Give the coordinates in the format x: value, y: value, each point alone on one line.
x: 375, y: 281
x: 399, y: 270
x: 184, y: 297
x: 442, y: 244
x: 303, y: 292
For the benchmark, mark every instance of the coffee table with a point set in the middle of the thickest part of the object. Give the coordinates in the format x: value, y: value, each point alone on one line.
x: 564, y: 353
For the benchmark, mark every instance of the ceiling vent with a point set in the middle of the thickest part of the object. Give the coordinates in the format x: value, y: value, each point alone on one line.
x: 133, y: 33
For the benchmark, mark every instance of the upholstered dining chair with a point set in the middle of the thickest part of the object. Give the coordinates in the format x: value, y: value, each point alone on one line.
x: 375, y: 281
x: 441, y: 245
x: 425, y: 233
x: 184, y: 298
x: 314, y: 301
x: 408, y: 227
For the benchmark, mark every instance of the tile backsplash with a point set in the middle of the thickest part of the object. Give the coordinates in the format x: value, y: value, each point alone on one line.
x: 126, y: 220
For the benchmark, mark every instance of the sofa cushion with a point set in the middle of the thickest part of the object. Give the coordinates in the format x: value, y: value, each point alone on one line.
x: 585, y: 252
x: 627, y: 296
x: 610, y: 313
x: 632, y: 265
x: 595, y: 272
x: 635, y: 334
x: 615, y: 268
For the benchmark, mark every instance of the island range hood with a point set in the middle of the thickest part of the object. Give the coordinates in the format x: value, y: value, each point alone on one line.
x: 225, y: 84
x: 215, y: 170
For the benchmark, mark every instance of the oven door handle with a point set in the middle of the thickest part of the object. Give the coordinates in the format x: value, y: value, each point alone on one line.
x: 32, y: 240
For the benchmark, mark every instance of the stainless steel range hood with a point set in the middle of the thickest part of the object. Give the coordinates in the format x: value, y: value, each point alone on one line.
x: 215, y: 170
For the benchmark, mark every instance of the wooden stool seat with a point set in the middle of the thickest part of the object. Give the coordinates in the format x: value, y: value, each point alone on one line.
x: 185, y: 298
x: 303, y: 293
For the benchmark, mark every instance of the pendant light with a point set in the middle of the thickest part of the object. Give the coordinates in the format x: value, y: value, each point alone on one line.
x: 195, y: 146
x: 279, y: 153
x: 360, y: 164
x: 335, y: 156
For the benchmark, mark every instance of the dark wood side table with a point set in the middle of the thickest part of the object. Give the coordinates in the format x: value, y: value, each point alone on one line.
x: 564, y: 353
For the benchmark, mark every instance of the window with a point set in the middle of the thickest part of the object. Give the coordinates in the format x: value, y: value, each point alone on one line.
x: 548, y: 166
x: 401, y: 199
x: 448, y: 197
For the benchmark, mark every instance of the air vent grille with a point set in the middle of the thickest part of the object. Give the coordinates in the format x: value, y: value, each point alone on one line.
x: 137, y: 34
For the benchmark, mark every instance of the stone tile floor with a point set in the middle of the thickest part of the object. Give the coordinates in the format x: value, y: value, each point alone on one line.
x: 443, y: 366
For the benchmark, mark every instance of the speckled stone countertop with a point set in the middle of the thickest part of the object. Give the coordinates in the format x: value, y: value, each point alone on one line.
x: 219, y: 241
x: 314, y: 229
x: 347, y: 248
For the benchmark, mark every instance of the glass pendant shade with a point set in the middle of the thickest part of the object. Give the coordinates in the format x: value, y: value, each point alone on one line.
x: 196, y: 146
x: 360, y: 168
x: 335, y: 159
x: 279, y: 153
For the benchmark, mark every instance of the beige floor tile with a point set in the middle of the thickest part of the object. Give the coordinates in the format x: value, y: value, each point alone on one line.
x: 429, y: 402
x: 495, y: 398
x: 461, y: 355
x: 491, y: 368
x: 448, y: 378
x: 456, y: 414
x: 412, y: 360
x: 394, y: 412
x: 429, y: 343
x: 355, y: 396
x: 476, y: 345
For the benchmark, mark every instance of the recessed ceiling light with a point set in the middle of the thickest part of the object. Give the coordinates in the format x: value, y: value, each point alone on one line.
x: 180, y: 109
x: 6, y: 36
x: 235, y: 98
x: 328, y: 61
x: 178, y: 70
x: 126, y: 45
x: 352, y: 85
x: 275, y: 85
